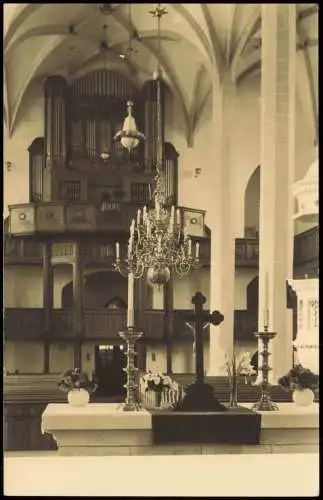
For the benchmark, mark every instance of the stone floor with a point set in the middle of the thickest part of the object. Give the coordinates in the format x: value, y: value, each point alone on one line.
x: 186, y: 476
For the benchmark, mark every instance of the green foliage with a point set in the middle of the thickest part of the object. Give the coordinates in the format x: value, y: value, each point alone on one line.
x: 299, y: 378
x: 74, y: 379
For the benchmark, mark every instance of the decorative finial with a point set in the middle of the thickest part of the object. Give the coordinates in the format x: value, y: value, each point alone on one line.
x: 159, y: 11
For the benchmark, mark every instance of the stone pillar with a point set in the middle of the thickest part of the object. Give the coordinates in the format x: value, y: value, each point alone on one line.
x: 277, y: 171
x: 47, y: 301
x: 169, y: 321
x: 220, y: 221
x: 78, y: 304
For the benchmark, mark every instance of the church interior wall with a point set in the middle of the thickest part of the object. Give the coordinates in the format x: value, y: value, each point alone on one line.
x: 243, y: 276
x: 26, y: 357
x: 63, y: 274
x: 23, y: 286
x: 61, y: 357
x: 29, y: 126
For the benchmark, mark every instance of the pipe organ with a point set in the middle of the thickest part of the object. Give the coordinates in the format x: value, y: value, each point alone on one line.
x: 78, y: 159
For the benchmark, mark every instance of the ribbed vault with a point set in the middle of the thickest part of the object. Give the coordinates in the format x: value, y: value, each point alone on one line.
x: 199, y: 41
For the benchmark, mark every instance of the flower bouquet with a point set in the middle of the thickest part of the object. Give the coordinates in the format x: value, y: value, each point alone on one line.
x: 158, y: 383
x: 302, y: 382
x: 74, y: 379
x: 238, y: 366
x: 299, y: 378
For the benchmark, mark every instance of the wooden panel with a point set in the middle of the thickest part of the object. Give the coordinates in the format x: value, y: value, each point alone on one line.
x: 103, y: 324
x: 22, y: 427
x: 22, y: 219
x: 247, y: 252
x: 62, y: 324
x: 50, y: 218
x: 152, y: 324
x: 62, y: 252
x: 306, y: 246
x: 23, y: 324
x: 193, y: 221
x: 80, y: 217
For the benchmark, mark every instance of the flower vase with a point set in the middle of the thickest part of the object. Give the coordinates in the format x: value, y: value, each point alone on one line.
x: 78, y: 397
x: 303, y: 397
x: 158, y: 399
x: 234, y: 393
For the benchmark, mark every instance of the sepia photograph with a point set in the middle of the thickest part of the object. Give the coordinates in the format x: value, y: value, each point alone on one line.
x: 160, y: 249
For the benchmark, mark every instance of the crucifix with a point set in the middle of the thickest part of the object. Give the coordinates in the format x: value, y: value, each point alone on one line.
x: 199, y: 320
x: 200, y: 396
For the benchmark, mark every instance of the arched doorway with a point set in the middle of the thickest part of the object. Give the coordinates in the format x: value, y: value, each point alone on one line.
x: 110, y: 361
x: 252, y: 205
x: 99, y: 289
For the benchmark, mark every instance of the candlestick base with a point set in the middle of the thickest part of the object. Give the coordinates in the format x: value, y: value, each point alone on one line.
x: 130, y: 335
x: 265, y: 405
x: 130, y: 407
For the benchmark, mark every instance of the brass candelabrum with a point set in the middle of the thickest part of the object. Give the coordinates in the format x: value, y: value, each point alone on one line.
x: 130, y: 336
x: 265, y: 403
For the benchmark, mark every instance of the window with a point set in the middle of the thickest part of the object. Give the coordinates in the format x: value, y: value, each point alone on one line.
x: 140, y: 192
x: 70, y: 191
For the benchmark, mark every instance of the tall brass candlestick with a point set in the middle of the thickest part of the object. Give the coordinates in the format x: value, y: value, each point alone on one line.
x: 131, y: 336
x: 265, y: 403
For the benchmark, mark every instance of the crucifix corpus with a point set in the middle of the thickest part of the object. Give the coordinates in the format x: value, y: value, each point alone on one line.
x: 199, y: 395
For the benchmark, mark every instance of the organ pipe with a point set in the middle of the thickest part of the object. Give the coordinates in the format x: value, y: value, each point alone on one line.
x: 55, y: 119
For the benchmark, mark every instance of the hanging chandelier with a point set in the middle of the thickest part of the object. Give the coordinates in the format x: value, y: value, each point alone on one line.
x: 157, y: 243
x: 129, y: 136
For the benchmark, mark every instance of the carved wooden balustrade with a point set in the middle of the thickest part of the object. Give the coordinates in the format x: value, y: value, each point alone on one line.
x: 22, y: 250
x: 28, y: 324
x: 23, y: 324
x: 247, y: 252
x: 306, y: 247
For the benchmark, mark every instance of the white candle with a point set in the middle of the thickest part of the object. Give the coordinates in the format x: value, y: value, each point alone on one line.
x: 266, y: 318
x: 178, y: 216
x: 144, y: 213
x: 138, y: 217
x: 130, y: 246
x: 189, y: 248
x: 148, y: 229
x: 266, y: 311
x: 266, y: 291
x: 132, y: 227
x: 118, y: 251
x: 157, y: 210
x: 172, y: 212
x: 197, y: 250
x: 130, y: 313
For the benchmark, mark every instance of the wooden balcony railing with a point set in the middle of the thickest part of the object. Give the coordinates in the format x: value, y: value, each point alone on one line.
x: 28, y: 324
x: 247, y: 252
x: 306, y: 247
x: 23, y: 324
x: 22, y: 250
x: 100, y: 324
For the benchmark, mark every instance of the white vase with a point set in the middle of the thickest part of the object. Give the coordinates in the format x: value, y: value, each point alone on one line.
x: 303, y: 397
x: 78, y: 397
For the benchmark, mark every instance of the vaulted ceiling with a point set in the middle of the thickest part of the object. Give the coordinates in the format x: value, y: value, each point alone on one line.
x: 197, y: 39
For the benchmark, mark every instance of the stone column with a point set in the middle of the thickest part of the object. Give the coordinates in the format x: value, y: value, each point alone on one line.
x: 220, y: 221
x: 277, y: 172
x: 47, y: 301
x: 169, y: 321
x: 78, y: 304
